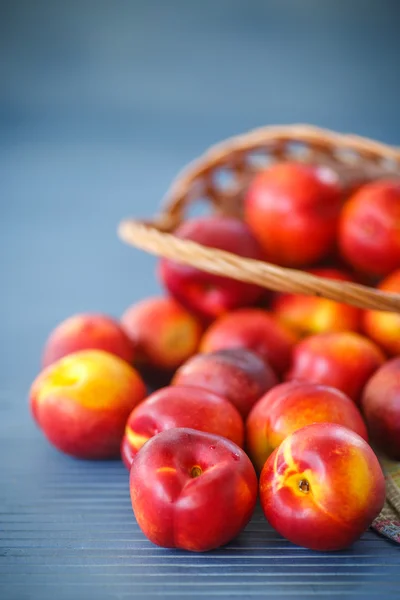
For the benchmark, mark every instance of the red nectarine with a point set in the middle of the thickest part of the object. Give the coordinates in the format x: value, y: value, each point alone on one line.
x: 345, y: 360
x: 322, y: 487
x: 307, y: 315
x: 238, y: 375
x: 384, y: 327
x: 82, y: 402
x: 204, y: 293
x: 254, y: 329
x: 87, y: 332
x: 163, y: 333
x: 369, y: 232
x: 192, y: 490
x: 180, y: 406
x: 293, y: 209
x: 291, y: 406
x: 381, y: 407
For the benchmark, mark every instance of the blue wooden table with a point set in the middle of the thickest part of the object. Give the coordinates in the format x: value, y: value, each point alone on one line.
x: 101, y: 103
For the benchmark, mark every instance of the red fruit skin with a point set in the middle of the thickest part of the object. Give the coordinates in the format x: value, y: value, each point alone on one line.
x: 180, y: 406
x: 293, y: 211
x: 87, y: 332
x: 82, y: 402
x: 369, y: 230
x: 381, y: 407
x: 307, y: 315
x: 344, y: 360
x: 128, y: 453
x: 163, y: 333
x: 238, y: 375
x: 254, y: 329
x: 346, y: 487
x: 384, y: 327
x: 203, y: 293
x: 177, y: 510
x: 291, y: 406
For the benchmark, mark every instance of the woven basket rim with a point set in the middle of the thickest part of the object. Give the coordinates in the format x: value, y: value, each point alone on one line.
x: 155, y: 237
x: 260, y: 135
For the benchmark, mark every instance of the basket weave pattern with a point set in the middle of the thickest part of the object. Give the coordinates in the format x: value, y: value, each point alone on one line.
x: 221, y: 176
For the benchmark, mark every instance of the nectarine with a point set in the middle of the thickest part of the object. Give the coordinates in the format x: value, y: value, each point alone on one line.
x: 293, y: 211
x: 236, y: 374
x: 322, y: 487
x: 180, y: 406
x: 203, y: 293
x: 164, y: 334
x: 82, y: 402
x: 291, y: 406
x: 369, y: 233
x: 384, y: 327
x: 307, y: 315
x: 192, y: 490
x: 345, y: 360
x: 381, y: 407
x: 254, y: 329
x: 87, y: 332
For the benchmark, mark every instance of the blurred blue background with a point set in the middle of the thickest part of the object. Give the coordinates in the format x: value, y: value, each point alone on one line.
x: 103, y: 102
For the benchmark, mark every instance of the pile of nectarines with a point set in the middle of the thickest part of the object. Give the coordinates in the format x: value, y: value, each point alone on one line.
x: 264, y: 394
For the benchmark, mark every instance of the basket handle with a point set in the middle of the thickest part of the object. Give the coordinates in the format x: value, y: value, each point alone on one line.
x: 219, y: 262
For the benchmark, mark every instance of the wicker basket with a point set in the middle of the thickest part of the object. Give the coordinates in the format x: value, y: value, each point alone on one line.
x: 220, y: 178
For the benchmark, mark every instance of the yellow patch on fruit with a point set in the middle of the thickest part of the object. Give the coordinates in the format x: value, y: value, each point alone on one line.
x: 290, y: 466
x: 92, y: 378
x: 322, y: 318
x: 355, y: 472
x: 181, y: 339
x: 302, y: 484
x: 166, y: 470
x: 268, y: 443
x: 292, y: 477
x: 135, y: 440
x: 388, y: 326
x: 305, y: 414
x: 347, y: 347
x: 58, y: 376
